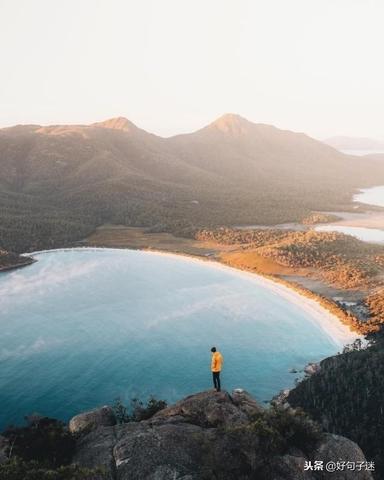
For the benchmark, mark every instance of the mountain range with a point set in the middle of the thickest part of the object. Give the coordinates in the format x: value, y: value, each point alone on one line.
x: 57, y: 183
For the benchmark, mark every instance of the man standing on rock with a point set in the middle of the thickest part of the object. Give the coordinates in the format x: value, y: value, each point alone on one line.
x: 216, y: 364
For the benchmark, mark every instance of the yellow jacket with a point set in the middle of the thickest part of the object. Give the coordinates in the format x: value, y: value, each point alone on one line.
x: 217, y: 362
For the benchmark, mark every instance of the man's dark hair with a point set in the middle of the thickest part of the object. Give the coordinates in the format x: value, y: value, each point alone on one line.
x: 213, y: 349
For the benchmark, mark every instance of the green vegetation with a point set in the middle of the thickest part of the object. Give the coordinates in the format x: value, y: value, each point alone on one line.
x: 137, y: 411
x: 248, y: 238
x: 318, y: 217
x: 278, y: 429
x: 42, y: 439
x: 271, y: 433
x: 42, y: 450
x: 375, y: 303
x: 18, y: 469
x: 346, y: 396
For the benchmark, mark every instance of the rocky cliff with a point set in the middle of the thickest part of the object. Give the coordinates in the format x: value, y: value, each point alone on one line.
x: 10, y: 260
x: 212, y: 436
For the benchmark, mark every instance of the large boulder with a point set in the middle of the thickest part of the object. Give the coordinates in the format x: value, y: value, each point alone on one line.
x: 335, y: 449
x: 96, y: 449
x: 210, y: 409
x: 289, y: 467
x: 164, y: 452
x: 99, y: 417
x: 245, y: 402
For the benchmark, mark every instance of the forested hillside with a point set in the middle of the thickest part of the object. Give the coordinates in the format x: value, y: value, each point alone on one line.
x: 58, y: 183
x: 346, y: 396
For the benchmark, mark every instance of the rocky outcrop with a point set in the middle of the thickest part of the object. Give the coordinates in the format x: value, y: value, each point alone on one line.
x: 281, y: 398
x: 312, y: 368
x: 204, y: 436
x: 100, y: 417
x: 9, y: 260
x: 96, y: 448
x: 208, y: 409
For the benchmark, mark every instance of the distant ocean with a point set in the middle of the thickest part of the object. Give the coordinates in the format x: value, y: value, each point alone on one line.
x: 371, y: 196
x: 361, y: 152
x: 82, y: 327
x: 368, y: 196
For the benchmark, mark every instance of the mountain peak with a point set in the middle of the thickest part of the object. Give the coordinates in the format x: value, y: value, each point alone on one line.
x: 231, y: 123
x: 116, y: 123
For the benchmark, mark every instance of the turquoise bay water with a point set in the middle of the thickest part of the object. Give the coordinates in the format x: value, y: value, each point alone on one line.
x: 82, y: 327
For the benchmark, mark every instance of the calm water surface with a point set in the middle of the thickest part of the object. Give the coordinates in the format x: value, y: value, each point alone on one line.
x: 369, y: 196
x: 82, y: 327
x: 372, y: 235
x: 361, y: 152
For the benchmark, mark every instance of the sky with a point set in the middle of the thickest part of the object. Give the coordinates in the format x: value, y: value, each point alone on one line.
x: 173, y: 66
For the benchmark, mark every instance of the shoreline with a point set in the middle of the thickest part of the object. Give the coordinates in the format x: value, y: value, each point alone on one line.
x: 327, y: 315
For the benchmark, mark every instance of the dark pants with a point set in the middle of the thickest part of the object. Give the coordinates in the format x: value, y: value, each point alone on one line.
x: 216, y: 380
